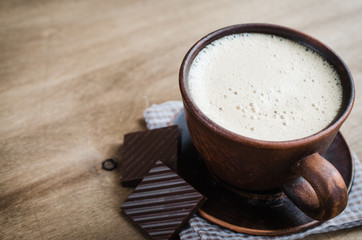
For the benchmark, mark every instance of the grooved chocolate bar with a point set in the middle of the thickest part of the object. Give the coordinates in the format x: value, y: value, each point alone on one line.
x: 141, y: 150
x: 162, y: 203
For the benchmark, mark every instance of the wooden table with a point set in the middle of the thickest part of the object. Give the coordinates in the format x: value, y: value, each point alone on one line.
x: 75, y: 76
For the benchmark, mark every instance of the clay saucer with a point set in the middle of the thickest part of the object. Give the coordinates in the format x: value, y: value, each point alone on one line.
x: 270, y: 213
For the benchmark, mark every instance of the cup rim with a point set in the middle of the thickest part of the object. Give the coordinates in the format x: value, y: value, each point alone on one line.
x: 278, y: 30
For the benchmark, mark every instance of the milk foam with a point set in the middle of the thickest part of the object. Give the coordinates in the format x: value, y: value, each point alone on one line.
x: 265, y: 87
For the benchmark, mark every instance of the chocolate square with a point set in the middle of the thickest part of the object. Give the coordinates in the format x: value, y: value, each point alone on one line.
x: 141, y: 150
x: 162, y: 203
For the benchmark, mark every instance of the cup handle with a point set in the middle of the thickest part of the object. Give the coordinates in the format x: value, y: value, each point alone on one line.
x: 317, y: 188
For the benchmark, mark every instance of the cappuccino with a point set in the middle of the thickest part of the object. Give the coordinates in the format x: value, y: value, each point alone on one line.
x: 265, y: 87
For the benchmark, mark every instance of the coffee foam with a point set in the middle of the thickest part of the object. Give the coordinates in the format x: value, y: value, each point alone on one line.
x: 265, y: 87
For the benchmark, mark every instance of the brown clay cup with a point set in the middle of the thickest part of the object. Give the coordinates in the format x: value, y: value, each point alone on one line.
x: 313, y: 184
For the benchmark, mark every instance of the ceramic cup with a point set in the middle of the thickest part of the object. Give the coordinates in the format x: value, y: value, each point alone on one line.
x: 313, y: 184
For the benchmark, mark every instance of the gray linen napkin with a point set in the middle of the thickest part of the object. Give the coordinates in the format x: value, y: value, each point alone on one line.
x: 161, y: 115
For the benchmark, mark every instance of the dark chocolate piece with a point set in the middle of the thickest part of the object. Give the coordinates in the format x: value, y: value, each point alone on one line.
x: 141, y: 150
x: 162, y: 203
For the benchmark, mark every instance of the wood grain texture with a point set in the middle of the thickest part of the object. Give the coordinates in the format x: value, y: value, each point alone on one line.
x: 74, y: 76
